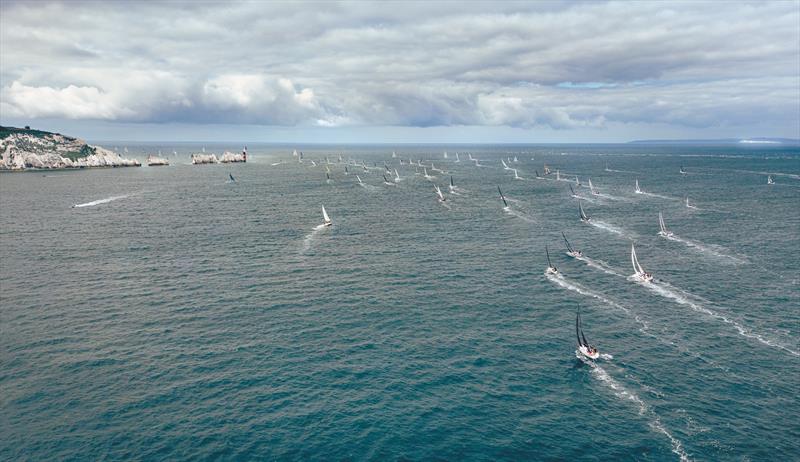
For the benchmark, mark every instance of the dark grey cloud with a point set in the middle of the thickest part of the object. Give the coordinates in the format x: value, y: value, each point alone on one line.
x: 562, y: 65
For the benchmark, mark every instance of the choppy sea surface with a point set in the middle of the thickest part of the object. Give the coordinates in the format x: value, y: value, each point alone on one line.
x: 176, y: 315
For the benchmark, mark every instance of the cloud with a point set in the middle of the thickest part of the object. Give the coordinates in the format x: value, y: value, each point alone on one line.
x: 562, y: 65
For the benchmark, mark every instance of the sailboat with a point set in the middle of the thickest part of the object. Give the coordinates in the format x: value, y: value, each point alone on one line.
x: 327, y: 177
x: 577, y: 182
x: 232, y: 179
x: 550, y: 268
x: 359, y: 180
x: 516, y: 175
x: 452, y: 185
x: 457, y: 159
x: 325, y: 216
x: 583, y: 346
x: 439, y: 193
x: 558, y: 175
x: 505, y: 204
x: 688, y: 205
x: 313, y: 164
x: 591, y: 188
x: 638, y: 190
x: 607, y: 169
x: 570, y: 251
x: 515, y: 159
x: 639, y: 272
x: 427, y: 177
x: 345, y: 170
x: 505, y: 166
x: 387, y: 168
x: 396, y: 176
x: 546, y: 169
x: 445, y: 154
x: 294, y: 153
x: 387, y: 182
x: 664, y: 231
x: 682, y: 170
x: 470, y: 156
x: 770, y: 180
x: 573, y: 192
x: 537, y: 174
x: 394, y: 155
x: 584, y: 218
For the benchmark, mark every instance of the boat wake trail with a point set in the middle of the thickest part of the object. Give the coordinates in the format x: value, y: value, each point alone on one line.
x: 626, y: 395
x: 100, y: 201
x: 519, y: 215
x: 599, y: 264
x: 681, y: 297
x: 562, y: 281
x: 704, y: 249
x: 610, y: 228
x: 645, y: 193
x: 309, y: 239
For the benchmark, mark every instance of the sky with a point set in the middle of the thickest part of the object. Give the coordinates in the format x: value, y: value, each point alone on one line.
x: 399, y: 72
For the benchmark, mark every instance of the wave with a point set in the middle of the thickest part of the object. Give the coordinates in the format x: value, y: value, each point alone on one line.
x: 626, y: 395
x: 99, y: 201
x: 519, y: 215
x: 703, y: 248
x: 682, y: 297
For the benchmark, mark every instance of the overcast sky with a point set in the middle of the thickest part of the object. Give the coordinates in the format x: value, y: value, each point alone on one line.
x: 402, y: 72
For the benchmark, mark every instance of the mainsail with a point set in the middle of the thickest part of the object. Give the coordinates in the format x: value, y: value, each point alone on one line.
x: 505, y: 204
x: 325, y: 216
x: 569, y: 247
x: 584, y: 217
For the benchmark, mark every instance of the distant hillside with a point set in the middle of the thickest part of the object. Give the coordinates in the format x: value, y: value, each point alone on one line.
x: 726, y: 141
x: 25, y: 148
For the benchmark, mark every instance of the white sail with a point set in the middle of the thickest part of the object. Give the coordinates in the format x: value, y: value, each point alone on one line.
x: 457, y: 159
x: 516, y: 176
x: 396, y: 176
x: 394, y: 155
x: 505, y: 167
x: 439, y: 193
x: 325, y: 216
x: 638, y: 190
x: 770, y: 180
x: 294, y: 153
x: 591, y: 187
x: 664, y: 231
x: 445, y: 154
x: 558, y: 175
x: 359, y: 180
x: 515, y: 159
x: 639, y: 272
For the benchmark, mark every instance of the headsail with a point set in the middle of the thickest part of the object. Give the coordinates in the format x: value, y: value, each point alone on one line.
x: 664, y: 231
x: 637, y: 268
x: 591, y: 187
x: 439, y: 193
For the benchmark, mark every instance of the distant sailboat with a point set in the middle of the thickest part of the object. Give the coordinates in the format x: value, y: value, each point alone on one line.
x: 584, y: 218
x: 505, y: 166
x: 639, y: 272
x: 439, y: 193
x: 577, y: 182
x: 573, y: 192
x: 591, y: 187
x: 515, y: 159
x: 638, y: 190
x: 537, y: 174
x: 688, y: 205
x: 294, y: 153
x: 327, y: 176
x: 457, y: 159
x: 387, y: 182
x: 359, y: 180
x: 396, y: 176
x: 516, y: 175
x: 345, y: 170
x: 232, y: 179
x: 452, y: 185
x: 427, y: 177
x: 583, y: 346
x: 445, y: 154
x: 558, y: 175
x: 570, y: 251
x: 682, y: 170
x: 770, y: 180
x: 394, y: 155
x: 550, y: 268
x: 313, y: 164
x: 607, y: 169
x: 505, y: 204
x: 546, y: 169
x: 325, y: 216
x: 663, y: 231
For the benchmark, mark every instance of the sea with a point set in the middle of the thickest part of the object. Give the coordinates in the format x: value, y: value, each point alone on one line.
x: 169, y: 313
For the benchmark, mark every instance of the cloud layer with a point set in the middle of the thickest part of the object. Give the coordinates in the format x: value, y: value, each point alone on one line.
x: 561, y: 65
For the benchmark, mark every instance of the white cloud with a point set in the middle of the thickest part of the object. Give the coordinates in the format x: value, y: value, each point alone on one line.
x: 425, y: 64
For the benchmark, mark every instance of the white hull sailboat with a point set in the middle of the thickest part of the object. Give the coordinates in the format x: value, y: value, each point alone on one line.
x: 639, y: 272
x: 439, y: 193
x: 396, y: 176
x: 550, y: 268
x: 638, y: 190
x: 427, y: 177
x: 457, y: 159
x: 570, y: 251
x: 505, y: 166
x: 583, y: 346
x: 770, y: 180
x: 591, y: 188
x: 584, y: 218
x: 663, y: 231
x: 505, y: 204
x: 516, y: 175
x: 325, y: 217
